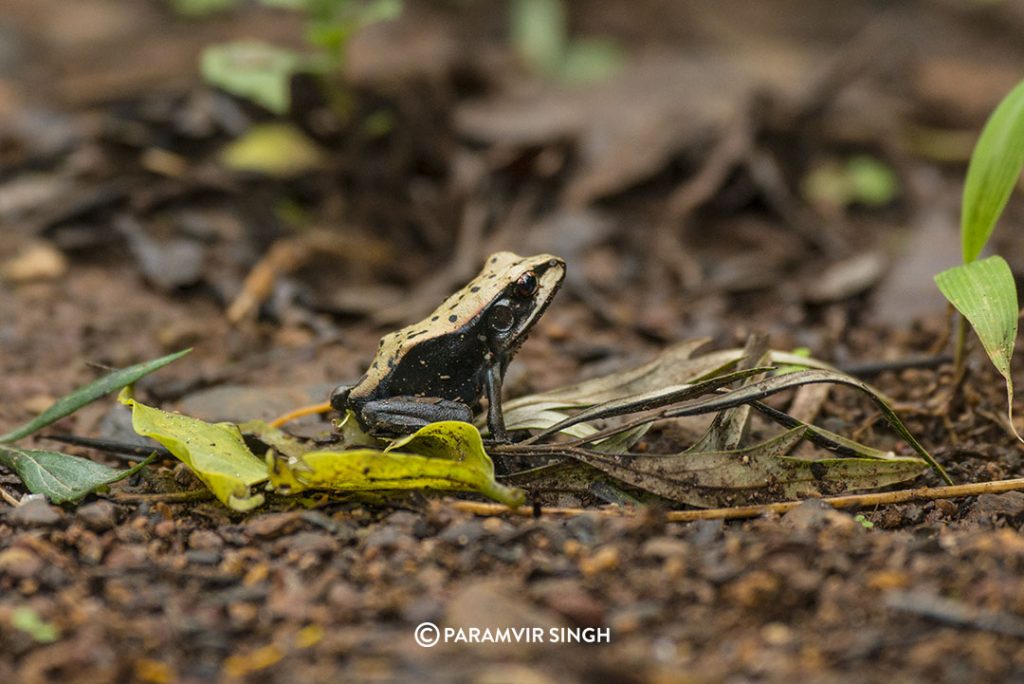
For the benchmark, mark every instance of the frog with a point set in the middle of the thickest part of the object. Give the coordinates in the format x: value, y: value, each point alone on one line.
x: 442, y: 367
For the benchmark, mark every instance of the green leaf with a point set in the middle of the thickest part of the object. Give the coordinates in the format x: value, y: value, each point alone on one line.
x: 61, y: 477
x: 379, y: 10
x: 985, y: 293
x: 274, y: 149
x: 256, y: 71
x: 202, y: 8
x: 994, y: 170
x: 859, y: 180
x: 215, y: 452
x: 27, y: 620
x: 872, y: 183
x: 288, y: 4
x: 89, y: 393
x: 591, y: 60
x: 447, y: 455
x: 539, y: 33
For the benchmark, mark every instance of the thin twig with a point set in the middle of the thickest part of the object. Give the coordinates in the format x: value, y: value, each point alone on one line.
x: 8, y: 497
x: 730, y: 149
x: 131, y: 452
x: 954, y: 612
x: 301, y: 412
x: 864, y: 369
x: 169, y: 497
x: 849, y: 501
x: 288, y: 255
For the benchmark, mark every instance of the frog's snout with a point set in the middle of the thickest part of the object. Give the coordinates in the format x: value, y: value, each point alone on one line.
x: 339, y: 397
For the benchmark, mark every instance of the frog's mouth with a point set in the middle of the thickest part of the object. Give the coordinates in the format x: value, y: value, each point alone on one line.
x: 550, y: 274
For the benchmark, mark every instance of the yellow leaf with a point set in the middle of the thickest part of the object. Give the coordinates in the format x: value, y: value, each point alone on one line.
x: 215, y: 452
x: 274, y: 149
x: 446, y: 456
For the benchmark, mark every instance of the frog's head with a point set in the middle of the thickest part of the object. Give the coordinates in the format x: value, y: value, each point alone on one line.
x: 520, y: 289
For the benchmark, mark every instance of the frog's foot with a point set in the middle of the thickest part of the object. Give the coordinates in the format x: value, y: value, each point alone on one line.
x: 401, y: 415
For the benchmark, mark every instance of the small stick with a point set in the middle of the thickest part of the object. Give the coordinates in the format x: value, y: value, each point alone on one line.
x: 284, y: 256
x: 288, y: 255
x: 864, y: 369
x: 8, y: 497
x: 133, y: 452
x: 953, y: 612
x: 301, y: 412
x: 849, y: 501
x: 172, y: 497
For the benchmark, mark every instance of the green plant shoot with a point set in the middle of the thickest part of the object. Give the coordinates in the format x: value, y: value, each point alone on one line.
x: 993, y: 171
x: 987, y: 295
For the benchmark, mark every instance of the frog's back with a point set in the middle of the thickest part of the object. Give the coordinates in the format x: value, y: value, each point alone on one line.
x: 441, y: 355
x: 462, y: 308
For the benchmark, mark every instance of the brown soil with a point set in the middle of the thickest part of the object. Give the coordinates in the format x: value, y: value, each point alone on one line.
x: 676, y: 193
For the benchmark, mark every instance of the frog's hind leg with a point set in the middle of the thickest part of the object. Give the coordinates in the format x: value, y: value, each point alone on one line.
x: 400, y: 415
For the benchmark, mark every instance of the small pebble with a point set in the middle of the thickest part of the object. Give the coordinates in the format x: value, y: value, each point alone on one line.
x: 98, y: 516
x: 19, y: 563
x: 606, y: 558
x: 36, y: 513
x: 205, y: 540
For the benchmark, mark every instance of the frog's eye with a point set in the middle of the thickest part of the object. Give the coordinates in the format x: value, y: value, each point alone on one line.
x: 526, y: 285
x: 501, y: 318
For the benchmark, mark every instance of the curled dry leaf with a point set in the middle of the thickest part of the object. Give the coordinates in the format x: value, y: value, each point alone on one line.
x: 751, y: 475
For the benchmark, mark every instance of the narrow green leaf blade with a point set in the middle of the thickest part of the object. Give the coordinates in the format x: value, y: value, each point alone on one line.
x: 539, y: 33
x: 994, y: 169
x: 986, y: 294
x: 61, y: 477
x: 89, y: 393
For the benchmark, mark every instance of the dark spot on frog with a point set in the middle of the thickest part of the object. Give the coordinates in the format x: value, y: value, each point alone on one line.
x: 474, y: 289
x: 818, y: 470
x: 434, y: 318
x: 453, y: 318
x: 494, y: 259
x: 374, y: 366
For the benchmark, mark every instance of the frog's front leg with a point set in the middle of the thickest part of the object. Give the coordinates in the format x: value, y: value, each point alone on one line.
x: 401, y: 415
x: 495, y: 416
